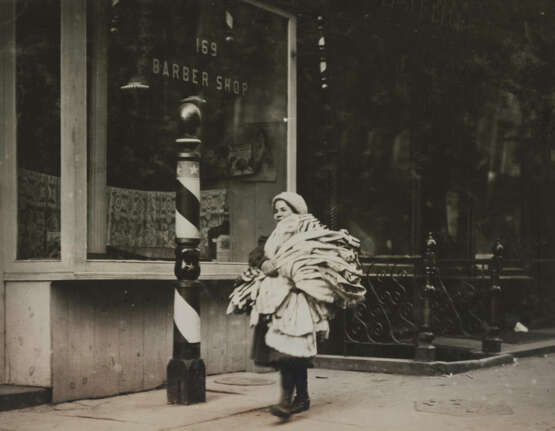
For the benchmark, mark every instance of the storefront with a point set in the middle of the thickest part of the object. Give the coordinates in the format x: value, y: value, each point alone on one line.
x: 89, y: 112
x: 392, y: 118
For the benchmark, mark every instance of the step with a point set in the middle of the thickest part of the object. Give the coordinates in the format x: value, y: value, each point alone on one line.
x: 18, y: 397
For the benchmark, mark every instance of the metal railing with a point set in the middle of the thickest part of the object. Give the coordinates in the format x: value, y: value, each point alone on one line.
x: 410, y: 299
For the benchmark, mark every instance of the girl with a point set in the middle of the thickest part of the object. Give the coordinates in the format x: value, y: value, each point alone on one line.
x: 292, y: 289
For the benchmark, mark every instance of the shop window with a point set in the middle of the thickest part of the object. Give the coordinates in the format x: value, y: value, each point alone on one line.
x: 426, y: 139
x: 378, y: 187
x: 38, y: 129
x: 144, y: 57
x: 500, y: 202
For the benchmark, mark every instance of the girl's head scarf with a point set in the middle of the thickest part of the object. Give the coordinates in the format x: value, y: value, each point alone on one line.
x: 294, y: 200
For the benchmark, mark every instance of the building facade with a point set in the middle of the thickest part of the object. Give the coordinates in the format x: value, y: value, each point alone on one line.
x: 91, y: 92
x: 393, y: 119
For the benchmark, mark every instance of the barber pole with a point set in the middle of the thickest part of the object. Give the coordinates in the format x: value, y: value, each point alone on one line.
x: 186, y: 370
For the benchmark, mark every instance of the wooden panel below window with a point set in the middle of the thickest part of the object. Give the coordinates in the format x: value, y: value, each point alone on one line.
x: 27, y: 333
x: 224, y: 347
x: 109, y: 337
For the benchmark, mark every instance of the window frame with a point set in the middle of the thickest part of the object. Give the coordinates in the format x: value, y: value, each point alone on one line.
x: 73, y: 263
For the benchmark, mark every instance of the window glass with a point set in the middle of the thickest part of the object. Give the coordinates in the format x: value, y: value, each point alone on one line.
x: 378, y: 189
x: 144, y: 57
x: 38, y: 129
x: 443, y: 119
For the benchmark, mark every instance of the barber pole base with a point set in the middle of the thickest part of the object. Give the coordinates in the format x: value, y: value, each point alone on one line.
x: 186, y: 381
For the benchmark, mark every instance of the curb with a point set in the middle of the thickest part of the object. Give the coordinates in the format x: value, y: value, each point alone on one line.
x: 534, y: 351
x: 412, y: 367
x: 406, y: 366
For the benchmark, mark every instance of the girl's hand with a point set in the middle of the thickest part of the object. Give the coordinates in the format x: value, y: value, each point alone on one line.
x: 269, y: 268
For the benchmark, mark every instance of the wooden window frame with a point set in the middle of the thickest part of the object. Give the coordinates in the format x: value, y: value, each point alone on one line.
x: 73, y: 263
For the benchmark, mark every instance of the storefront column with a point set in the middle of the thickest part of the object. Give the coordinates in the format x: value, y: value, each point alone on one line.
x: 7, y: 160
x: 98, y: 129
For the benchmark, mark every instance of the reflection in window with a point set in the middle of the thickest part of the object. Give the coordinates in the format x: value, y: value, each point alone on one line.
x: 145, y: 56
x: 498, y: 209
x: 378, y: 185
x: 429, y: 140
x: 38, y: 128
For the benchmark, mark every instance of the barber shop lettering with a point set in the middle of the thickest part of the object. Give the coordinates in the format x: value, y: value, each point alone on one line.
x: 198, y: 77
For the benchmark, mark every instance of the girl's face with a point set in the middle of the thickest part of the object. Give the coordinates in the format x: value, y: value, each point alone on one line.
x: 281, y: 210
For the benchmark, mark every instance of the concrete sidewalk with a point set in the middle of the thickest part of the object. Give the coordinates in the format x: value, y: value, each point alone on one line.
x: 227, y: 395
x: 519, y: 396
x: 240, y: 397
x: 149, y: 410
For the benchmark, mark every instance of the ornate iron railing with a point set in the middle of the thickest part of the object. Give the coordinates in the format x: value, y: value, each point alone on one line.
x: 388, y: 315
x: 413, y: 298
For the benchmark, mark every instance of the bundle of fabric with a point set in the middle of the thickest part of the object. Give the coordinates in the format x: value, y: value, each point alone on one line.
x: 314, y: 272
x: 245, y: 291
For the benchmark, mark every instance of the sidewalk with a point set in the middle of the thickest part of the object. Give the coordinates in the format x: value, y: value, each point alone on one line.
x: 515, y: 397
x: 523, y: 388
x: 149, y: 410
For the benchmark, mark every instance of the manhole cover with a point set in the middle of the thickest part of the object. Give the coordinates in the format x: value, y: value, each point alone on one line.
x: 460, y: 407
x: 244, y: 381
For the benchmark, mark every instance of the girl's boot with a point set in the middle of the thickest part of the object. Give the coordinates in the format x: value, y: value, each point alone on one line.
x: 283, y: 408
x: 301, y: 401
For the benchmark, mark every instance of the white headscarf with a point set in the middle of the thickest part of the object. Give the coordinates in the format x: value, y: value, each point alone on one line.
x: 294, y: 200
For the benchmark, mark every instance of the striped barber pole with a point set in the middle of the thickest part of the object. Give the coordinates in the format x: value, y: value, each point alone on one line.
x: 187, y: 203
x: 187, y: 232
x: 186, y: 371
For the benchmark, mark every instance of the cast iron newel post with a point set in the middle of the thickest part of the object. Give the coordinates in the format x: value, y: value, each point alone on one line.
x: 492, y: 342
x: 186, y: 370
x: 425, y: 350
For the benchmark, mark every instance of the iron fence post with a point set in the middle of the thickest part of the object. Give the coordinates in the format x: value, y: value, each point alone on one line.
x: 491, y: 343
x: 425, y: 350
x: 186, y: 372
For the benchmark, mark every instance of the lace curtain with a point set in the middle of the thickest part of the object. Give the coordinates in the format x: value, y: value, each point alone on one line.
x: 139, y: 222
x: 38, y: 216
